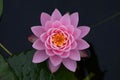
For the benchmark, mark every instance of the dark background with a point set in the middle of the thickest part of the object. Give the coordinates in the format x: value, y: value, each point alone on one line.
x: 19, y: 15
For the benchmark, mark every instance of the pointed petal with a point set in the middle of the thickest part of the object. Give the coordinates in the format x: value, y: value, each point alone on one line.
x: 70, y: 29
x: 53, y: 68
x: 44, y: 18
x: 39, y: 45
x: 76, y: 33
x: 39, y: 56
x: 65, y: 20
x: 73, y: 45
x: 49, y: 52
x: 43, y: 37
x: 70, y: 64
x: 75, y: 55
x: 82, y: 44
x: 48, y: 25
x: 74, y: 19
x: 84, y: 31
x: 55, y: 60
x: 65, y: 54
x: 56, y: 15
x: 37, y: 30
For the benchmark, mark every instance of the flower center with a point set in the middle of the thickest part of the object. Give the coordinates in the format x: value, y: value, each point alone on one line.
x: 59, y: 39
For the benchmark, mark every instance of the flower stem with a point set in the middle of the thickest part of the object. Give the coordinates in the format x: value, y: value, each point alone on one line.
x: 107, y: 19
x: 5, y: 49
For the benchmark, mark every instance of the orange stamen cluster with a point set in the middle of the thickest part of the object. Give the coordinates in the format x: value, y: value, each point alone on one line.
x: 59, y: 39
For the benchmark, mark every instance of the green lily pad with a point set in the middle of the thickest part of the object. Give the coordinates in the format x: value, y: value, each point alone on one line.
x: 6, y: 72
x: 1, y: 7
x: 26, y: 70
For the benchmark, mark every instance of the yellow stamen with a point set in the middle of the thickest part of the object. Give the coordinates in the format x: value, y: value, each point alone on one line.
x: 59, y: 39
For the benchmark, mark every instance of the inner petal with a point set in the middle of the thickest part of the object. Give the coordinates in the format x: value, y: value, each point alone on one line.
x: 59, y: 39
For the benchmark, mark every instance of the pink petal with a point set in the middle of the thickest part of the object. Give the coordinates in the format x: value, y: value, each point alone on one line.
x: 73, y: 45
x: 49, y: 52
x: 47, y: 43
x: 57, y: 52
x: 56, y: 24
x: 70, y: 64
x: 75, y: 55
x: 65, y: 20
x: 53, y: 68
x: 77, y: 33
x: 55, y: 60
x: 39, y: 45
x: 67, y: 49
x: 84, y: 31
x: 44, y: 18
x: 48, y: 25
x: 37, y: 30
x: 63, y: 28
x: 74, y: 19
x: 70, y: 29
x: 56, y: 15
x: 71, y: 39
x: 82, y: 44
x: 43, y: 37
x: 65, y: 54
x: 39, y: 56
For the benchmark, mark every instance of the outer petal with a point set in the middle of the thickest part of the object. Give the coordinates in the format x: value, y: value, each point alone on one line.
x: 84, y: 31
x: 75, y: 55
x: 38, y: 45
x: 39, y: 56
x: 70, y: 64
x: 44, y: 18
x: 37, y: 30
x: 53, y: 68
x: 55, y: 60
x: 65, y: 20
x: 77, y: 33
x: 82, y: 44
x: 74, y: 19
x: 56, y: 15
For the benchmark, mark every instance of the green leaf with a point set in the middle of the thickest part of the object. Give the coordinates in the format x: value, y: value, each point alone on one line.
x: 23, y: 66
x: 45, y: 75
x: 64, y: 74
x: 5, y: 71
x: 1, y: 7
x: 26, y: 70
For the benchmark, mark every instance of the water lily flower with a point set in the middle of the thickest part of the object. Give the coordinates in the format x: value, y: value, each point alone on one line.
x: 59, y: 40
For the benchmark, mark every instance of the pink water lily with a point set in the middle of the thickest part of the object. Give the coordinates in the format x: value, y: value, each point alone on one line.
x: 59, y: 40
